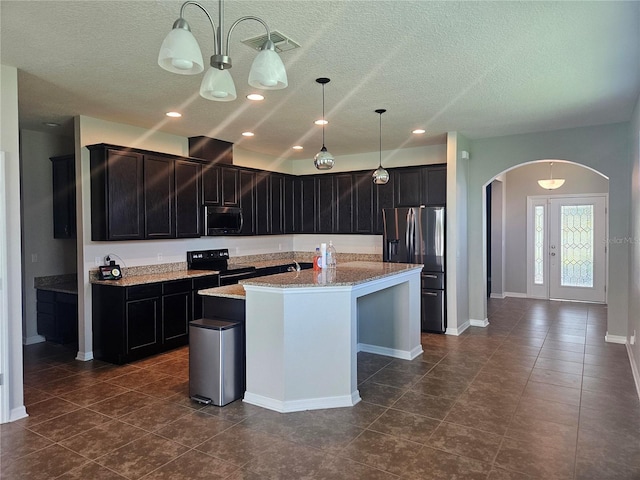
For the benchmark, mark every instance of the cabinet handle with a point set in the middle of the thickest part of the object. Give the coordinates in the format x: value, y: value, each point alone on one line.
x: 431, y: 294
x: 430, y: 276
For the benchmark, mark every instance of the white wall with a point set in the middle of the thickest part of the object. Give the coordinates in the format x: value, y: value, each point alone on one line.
x: 12, y: 284
x: 634, y: 243
x: 43, y: 254
x: 523, y: 182
x: 604, y: 148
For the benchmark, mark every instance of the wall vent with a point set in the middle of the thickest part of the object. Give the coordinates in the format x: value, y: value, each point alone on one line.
x: 283, y: 43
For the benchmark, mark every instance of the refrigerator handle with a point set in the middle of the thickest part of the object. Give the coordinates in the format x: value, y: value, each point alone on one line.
x: 410, y: 235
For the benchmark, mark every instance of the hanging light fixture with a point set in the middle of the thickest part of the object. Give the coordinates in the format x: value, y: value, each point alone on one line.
x: 551, y: 183
x: 323, y: 159
x: 181, y: 54
x: 380, y: 176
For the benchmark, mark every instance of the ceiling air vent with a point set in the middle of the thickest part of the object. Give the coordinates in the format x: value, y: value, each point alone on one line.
x: 282, y: 42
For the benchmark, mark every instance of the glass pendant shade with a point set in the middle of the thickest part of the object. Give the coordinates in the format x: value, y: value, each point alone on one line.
x: 551, y: 183
x: 268, y: 72
x: 180, y: 53
x: 380, y: 176
x: 218, y: 85
x: 323, y: 159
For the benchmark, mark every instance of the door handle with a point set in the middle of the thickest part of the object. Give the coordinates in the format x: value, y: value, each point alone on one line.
x: 431, y: 294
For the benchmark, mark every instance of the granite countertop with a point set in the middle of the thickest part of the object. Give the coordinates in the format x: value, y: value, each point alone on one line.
x: 228, y: 291
x: 66, y: 287
x: 131, y: 280
x: 65, y: 283
x: 346, y: 274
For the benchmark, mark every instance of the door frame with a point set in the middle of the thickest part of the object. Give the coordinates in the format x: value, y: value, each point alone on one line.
x: 543, y: 291
x: 4, y: 300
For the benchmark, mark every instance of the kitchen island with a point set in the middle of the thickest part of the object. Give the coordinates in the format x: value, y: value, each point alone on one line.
x: 304, y: 329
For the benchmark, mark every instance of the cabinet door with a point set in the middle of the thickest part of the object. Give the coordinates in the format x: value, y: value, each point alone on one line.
x: 211, y: 185
x: 290, y: 206
x: 343, y: 203
x: 262, y: 204
x: 230, y: 186
x: 408, y: 187
x: 158, y: 193
x: 383, y: 198
x: 124, y: 183
x: 363, y: 202
x: 187, y: 199
x: 276, y: 200
x: 325, y: 203
x: 436, y: 186
x: 247, y: 201
x: 307, y: 202
x: 176, y: 313
x: 64, y: 196
x: 142, y: 327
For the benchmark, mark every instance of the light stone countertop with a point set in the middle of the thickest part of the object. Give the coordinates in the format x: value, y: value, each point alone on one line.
x: 131, y: 280
x: 228, y: 291
x: 345, y: 274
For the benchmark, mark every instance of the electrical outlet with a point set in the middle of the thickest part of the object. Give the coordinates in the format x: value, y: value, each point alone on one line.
x: 34, y: 258
x: 159, y: 257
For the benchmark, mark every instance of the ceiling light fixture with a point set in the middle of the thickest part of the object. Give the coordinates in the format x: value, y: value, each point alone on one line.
x: 173, y: 114
x: 323, y: 159
x: 181, y: 54
x: 380, y: 175
x: 322, y: 121
x: 419, y: 131
x: 551, y: 183
x: 255, y: 97
x: 297, y: 147
x: 247, y: 134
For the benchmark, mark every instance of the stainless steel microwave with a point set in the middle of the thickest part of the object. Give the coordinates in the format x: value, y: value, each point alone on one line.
x: 222, y: 220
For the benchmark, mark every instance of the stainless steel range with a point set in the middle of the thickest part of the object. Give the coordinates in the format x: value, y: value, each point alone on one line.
x: 218, y: 260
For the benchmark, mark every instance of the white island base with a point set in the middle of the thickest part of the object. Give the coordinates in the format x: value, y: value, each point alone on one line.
x: 304, y: 330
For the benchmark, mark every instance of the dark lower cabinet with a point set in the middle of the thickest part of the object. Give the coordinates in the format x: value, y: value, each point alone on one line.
x: 57, y: 316
x: 130, y: 323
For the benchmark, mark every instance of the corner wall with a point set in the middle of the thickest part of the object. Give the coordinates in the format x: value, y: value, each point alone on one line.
x: 634, y: 241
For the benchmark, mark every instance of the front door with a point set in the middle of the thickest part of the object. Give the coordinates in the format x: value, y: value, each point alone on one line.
x: 567, y: 248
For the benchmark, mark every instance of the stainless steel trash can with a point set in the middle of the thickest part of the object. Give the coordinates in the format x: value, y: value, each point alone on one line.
x: 216, y: 369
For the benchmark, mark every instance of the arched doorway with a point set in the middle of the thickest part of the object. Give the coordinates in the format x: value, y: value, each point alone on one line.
x: 546, y: 243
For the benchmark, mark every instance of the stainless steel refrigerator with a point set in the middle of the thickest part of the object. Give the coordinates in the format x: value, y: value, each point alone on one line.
x: 417, y: 235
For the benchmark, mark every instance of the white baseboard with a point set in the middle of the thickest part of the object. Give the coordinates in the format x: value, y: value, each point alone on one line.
x: 516, y: 295
x: 634, y: 368
x: 18, y: 413
x: 301, y: 405
x: 479, y: 323
x: 84, y: 356
x: 615, y: 339
x: 459, y: 330
x: 33, y: 339
x: 498, y: 295
x: 391, y: 352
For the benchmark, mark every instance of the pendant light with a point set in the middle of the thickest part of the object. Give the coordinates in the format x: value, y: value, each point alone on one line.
x: 380, y: 176
x: 323, y: 159
x: 180, y: 53
x: 551, y: 183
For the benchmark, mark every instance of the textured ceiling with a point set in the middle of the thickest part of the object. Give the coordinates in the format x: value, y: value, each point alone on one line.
x: 483, y: 69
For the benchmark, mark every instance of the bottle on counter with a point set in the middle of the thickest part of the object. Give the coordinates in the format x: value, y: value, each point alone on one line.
x: 323, y: 255
x: 317, y: 262
x: 332, y: 260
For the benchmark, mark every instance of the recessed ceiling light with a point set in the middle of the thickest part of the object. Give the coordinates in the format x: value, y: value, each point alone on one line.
x: 173, y: 114
x: 255, y: 96
x: 51, y: 124
x: 321, y: 122
x: 419, y: 131
x: 297, y: 147
x: 247, y: 134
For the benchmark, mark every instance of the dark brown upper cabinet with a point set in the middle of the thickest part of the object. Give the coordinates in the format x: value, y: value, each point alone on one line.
x: 188, y: 217
x: 408, y: 187
x: 363, y: 207
x: 64, y: 196
x: 159, y: 181
x: 343, y: 185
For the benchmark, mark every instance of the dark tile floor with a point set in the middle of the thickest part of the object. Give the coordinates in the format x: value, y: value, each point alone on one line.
x: 537, y: 394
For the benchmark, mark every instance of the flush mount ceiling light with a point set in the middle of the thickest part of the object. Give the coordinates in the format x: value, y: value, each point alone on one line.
x: 380, y: 175
x: 181, y: 54
x: 419, y: 131
x: 323, y: 159
x: 256, y: 97
x: 551, y: 183
x: 248, y: 134
x: 173, y: 114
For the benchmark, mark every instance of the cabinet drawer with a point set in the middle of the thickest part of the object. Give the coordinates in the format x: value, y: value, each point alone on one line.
x: 144, y: 291
x: 178, y: 286
x: 432, y: 281
x: 45, y: 295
